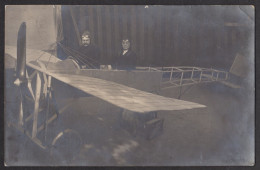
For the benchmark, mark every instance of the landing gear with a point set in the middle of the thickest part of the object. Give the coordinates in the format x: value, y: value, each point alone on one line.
x: 36, y: 107
x: 35, y: 121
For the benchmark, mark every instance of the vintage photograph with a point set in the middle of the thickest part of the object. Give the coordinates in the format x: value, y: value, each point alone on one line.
x: 129, y: 85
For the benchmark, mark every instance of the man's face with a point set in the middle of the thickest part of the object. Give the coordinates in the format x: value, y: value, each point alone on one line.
x: 126, y: 44
x: 85, y: 40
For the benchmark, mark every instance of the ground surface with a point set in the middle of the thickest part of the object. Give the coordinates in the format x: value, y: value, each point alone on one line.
x: 220, y: 134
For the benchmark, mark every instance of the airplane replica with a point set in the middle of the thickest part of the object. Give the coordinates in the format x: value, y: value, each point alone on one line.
x: 34, y: 66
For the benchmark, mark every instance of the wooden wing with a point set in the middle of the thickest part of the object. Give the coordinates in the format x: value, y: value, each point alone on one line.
x: 114, y: 93
x: 123, y: 96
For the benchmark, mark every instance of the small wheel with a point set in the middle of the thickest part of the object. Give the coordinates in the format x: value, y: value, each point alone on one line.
x: 65, y: 146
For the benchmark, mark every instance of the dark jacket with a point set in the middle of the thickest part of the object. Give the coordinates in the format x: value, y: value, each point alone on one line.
x: 126, y: 61
x: 89, y: 56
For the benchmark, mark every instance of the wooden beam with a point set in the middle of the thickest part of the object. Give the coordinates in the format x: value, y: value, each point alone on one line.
x: 29, y: 85
x: 48, y: 107
x: 36, y: 105
x: 21, y: 110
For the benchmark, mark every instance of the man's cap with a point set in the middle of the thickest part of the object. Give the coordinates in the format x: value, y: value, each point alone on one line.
x: 86, y: 34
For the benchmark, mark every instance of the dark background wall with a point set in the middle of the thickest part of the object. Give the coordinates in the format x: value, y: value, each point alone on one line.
x: 205, y: 36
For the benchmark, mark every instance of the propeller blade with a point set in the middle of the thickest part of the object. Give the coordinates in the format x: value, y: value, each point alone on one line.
x: 21, y: 53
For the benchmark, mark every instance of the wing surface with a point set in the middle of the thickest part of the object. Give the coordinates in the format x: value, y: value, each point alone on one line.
x: 114, y: 93
x: 123, y: 96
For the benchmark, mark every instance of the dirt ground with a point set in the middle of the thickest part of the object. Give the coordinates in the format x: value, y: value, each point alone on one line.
x: 220, y: 134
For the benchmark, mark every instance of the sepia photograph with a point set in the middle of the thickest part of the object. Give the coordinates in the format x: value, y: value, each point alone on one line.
x: 129, y: 85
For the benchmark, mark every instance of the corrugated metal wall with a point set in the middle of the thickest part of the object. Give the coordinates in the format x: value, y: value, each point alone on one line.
x: 160, y: 35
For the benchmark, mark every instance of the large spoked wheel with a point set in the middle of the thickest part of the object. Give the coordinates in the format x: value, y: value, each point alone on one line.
x: 65, y: 147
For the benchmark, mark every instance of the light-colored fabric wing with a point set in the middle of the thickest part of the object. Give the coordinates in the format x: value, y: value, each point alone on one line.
x: 123, y: 96
x: 114, y: 93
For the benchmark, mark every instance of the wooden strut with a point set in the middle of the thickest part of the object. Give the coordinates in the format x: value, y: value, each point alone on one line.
x: 21, y: 110
x: 44, y: 90
x: 192, y: 74
x: 45, y: 86
x: 36, y: 105
x: 48, y: 106
x: 29, y: 84
x: 34, y: 115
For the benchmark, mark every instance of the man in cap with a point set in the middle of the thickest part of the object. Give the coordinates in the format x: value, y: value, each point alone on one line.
x: 89, y: 55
